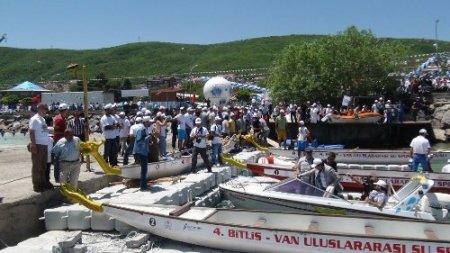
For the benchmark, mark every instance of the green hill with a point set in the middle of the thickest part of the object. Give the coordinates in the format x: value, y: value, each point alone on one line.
x: 158, y: 58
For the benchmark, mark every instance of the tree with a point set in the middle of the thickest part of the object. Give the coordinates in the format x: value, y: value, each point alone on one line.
x: 243, y: 95
x: 126, y: 85
x: 101, y: 82
x: 349, y: 63
x: 10, y: 99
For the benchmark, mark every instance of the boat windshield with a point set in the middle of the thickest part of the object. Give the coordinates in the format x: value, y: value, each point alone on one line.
x: 296, y: 186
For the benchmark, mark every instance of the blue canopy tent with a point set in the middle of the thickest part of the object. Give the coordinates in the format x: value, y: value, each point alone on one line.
x: 27, y: 86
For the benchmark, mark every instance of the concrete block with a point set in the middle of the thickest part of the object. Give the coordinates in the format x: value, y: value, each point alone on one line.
x: 79, y: 218
x: 123, y: 228
x: 79, y: 248
x: 56, y: 218
x: 102, y: 222
x: 38, y: 243
x: 136, y: 241
x: 19, y: 249
x: 70, y: 239
x: 112, y: 189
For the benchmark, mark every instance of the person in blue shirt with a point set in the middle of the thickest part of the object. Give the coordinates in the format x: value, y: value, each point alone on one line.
x: 141, y: 149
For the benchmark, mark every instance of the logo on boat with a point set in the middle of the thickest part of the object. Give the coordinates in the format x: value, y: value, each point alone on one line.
x: 191, y: 227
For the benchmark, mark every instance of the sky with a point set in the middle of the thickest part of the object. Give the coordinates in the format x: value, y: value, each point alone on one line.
x: 93, y: 24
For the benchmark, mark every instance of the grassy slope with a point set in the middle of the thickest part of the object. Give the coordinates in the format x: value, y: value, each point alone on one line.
x: 152, y: 58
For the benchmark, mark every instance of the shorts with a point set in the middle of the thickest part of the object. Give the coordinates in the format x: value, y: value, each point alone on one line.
x: 301, y: 145
x: 181, y: 134
x: 281, y: 134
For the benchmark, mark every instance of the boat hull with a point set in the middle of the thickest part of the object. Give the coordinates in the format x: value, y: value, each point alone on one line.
x: 369, y: 118
x: 368, y: 156
x: 397, y: 178
x: 252, y: 231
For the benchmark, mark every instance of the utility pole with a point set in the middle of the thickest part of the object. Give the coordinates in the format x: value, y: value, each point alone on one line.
x: 436, y: 22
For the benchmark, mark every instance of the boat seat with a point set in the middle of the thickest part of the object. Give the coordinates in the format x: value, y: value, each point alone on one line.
x: 430, y: 234
x: 314, y: 226
x: 370, y: 231
x: 182, y: 209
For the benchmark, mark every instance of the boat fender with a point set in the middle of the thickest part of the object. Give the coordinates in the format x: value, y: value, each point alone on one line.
x: 270, y: 159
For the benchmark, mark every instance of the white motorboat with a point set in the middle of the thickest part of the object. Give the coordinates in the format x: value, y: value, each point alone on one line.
x: 170, y: 166
x: 370, y: 156
x: 264, y: 231
x: 397, y: 175
x: 294, y: 195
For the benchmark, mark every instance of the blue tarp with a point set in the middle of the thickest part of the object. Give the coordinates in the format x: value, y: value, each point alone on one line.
x: 27, y: 86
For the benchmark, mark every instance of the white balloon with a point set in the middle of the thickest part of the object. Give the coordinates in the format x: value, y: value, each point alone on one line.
x: 217, y: 90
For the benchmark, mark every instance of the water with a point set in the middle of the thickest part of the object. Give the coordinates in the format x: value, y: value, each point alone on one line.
x: 17, y: 140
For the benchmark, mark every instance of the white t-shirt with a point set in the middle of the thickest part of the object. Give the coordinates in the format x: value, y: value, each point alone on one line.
x: 38, y: 124
x: 134, y: 128
x: 226, y: 127
x: 108, y: 121
x: 118, y: 120
x: 201, y: 132
x: 182, y: 121
x: 302, y: 132
x: 125, y: 127
x: 218, y: 130
x: 420, y: 145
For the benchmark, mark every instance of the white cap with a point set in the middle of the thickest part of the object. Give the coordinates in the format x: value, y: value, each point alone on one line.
x: 107, y: 106
x: 122, y: 114
x: 204, y: 109
x: 162, y: 107
x: 225, y: 108
x: 158, y: 114
x: 139, y: 114
x: 255, y: 115
x: 281, y: 111
x: 328, y: 105
x: 381, y: 183
x: 316, y: 162
x: 198, y: 121
x: 190, y: 109
x: 152, y: 119
x: 302, y: 122
x: 217, y: 118
x: 423, y: 131
x: 138, y: 119
x: 147, y: 118
x: 63, y: 106
x: 147, y: 113
x: 181, y: 108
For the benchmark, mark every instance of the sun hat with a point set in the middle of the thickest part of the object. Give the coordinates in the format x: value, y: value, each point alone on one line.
x: 316, y: 161
x: 381, y: 183
x: 423, y: 131
x: 198, y: 121
x: 63, y: 106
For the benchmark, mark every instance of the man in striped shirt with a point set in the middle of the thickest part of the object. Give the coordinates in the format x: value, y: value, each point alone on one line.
x: 77, y: 125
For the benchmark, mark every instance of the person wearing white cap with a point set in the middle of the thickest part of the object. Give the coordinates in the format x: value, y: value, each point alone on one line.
x: 60, y: 125
x: 216, y: 133
x: 141, y: 149
x: 183, y: 122
x: 281, y: 129
x: 446, y: 168
x: 108, y: 124
x: 132, y: 132
x: 60, y: 121
x: 378, y: 197
x: 420, y: 148
x: 199, y: 136
x: 302, y: 137
x: 160, y: 131
x: 322, y: 176
x: 123, y: 133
